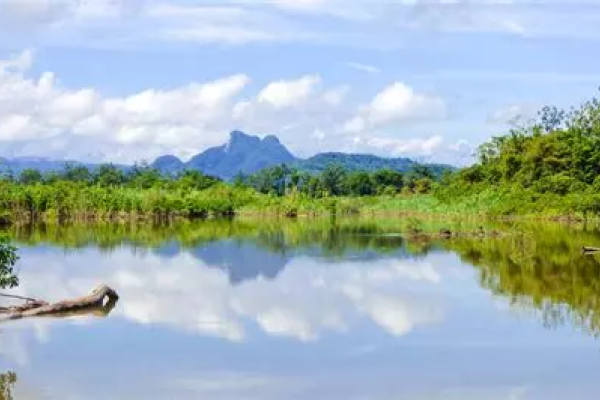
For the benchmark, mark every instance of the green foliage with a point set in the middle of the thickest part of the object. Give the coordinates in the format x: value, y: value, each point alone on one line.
x: 547, y: 167
x: 334, y: 180
x: 7, y: 384
x: 8, y: 258
x: 30, y: 176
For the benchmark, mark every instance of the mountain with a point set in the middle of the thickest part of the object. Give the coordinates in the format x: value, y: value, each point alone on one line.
x: 18, y: 164
x: 249, y: 154
x: 168, y: 164
x: 242, y: 153
x: 354, y: 162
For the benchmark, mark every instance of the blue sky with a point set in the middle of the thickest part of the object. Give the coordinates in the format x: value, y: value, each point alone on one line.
x: 130, y: 80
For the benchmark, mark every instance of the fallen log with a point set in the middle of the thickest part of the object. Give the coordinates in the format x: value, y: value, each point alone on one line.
x: 590, y: 250
x: 99, y: 302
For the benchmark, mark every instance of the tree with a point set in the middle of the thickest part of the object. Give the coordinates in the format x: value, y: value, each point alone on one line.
x: 386, y: 178
x: 30, y: 176
x: 77, y: 173
x: 109, y: 175
x: 423, y: 185
x: 333, y: 179
x: 360, y: 184
x: 144, y: 177
x: 193, y: 179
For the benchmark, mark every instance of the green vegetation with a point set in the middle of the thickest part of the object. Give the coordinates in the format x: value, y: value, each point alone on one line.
x: 7, y: 383
x: 8, y: 258
x: 111, y: 193
x: 548, y: 167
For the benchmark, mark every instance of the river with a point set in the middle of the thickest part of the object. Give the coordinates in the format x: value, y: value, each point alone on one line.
x: 333, y: 309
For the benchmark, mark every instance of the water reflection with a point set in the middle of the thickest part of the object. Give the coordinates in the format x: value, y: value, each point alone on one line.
x: 7, y: 383
x: 309, y: 310
x: 542, y: 270
x: 187, y: 292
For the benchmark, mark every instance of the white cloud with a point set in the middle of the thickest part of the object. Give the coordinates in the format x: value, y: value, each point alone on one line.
x: 336, y: 96
x: 400, y: 101
x: 513, y: 113
x: 20, y: 62
x: 370, y: 69
x: 150, y: 121
x: 32, y: 11
x: 397, y: 102
x: 375, y: 23
x: 233, y: 24
x: 288, y: 93
x: 400, y: 147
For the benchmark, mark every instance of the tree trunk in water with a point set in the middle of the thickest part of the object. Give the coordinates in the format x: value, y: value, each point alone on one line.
x: 99, y: 302
x: 590, y: 250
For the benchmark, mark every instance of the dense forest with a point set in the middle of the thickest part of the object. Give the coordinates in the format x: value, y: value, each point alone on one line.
x: 548, y: 167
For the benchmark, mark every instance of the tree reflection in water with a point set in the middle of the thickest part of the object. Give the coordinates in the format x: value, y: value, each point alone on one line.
x: 537, y: 267
x: 7, y: 383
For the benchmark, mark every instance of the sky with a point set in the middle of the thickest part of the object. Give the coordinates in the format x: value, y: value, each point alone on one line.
x: 130, y: 80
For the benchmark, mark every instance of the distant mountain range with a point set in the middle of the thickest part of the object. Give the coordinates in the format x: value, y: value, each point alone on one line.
x: 241, y: 154
x: 18, y: 164
x: 249, y: 154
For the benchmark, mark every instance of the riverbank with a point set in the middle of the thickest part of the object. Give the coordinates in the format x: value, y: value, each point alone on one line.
x: 63, y: 202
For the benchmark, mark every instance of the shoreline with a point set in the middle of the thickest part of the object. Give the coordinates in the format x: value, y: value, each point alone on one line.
x: 143, y: 218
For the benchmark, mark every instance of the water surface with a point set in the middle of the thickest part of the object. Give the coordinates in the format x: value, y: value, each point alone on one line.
x: 307, y: 310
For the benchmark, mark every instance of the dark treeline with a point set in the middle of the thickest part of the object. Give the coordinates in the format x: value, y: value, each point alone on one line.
x: 140, y: 177
x: 335, y: 180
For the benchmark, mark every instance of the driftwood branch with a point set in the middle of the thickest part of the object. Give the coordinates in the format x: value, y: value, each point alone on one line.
x: 99, y: 302
x: 590, y: 250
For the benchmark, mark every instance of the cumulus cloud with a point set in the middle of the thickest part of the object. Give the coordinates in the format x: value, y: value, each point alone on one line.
x: 283, y: 94
x: 39, y: 116
x: 397, y: 102
x: 38, y: 110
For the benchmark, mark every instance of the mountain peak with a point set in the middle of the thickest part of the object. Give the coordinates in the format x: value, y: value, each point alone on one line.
x: 239, y: 136
x: 235, y: 135
x: 239, y: 140
x: 242, y: 153
x: 271, y: 139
